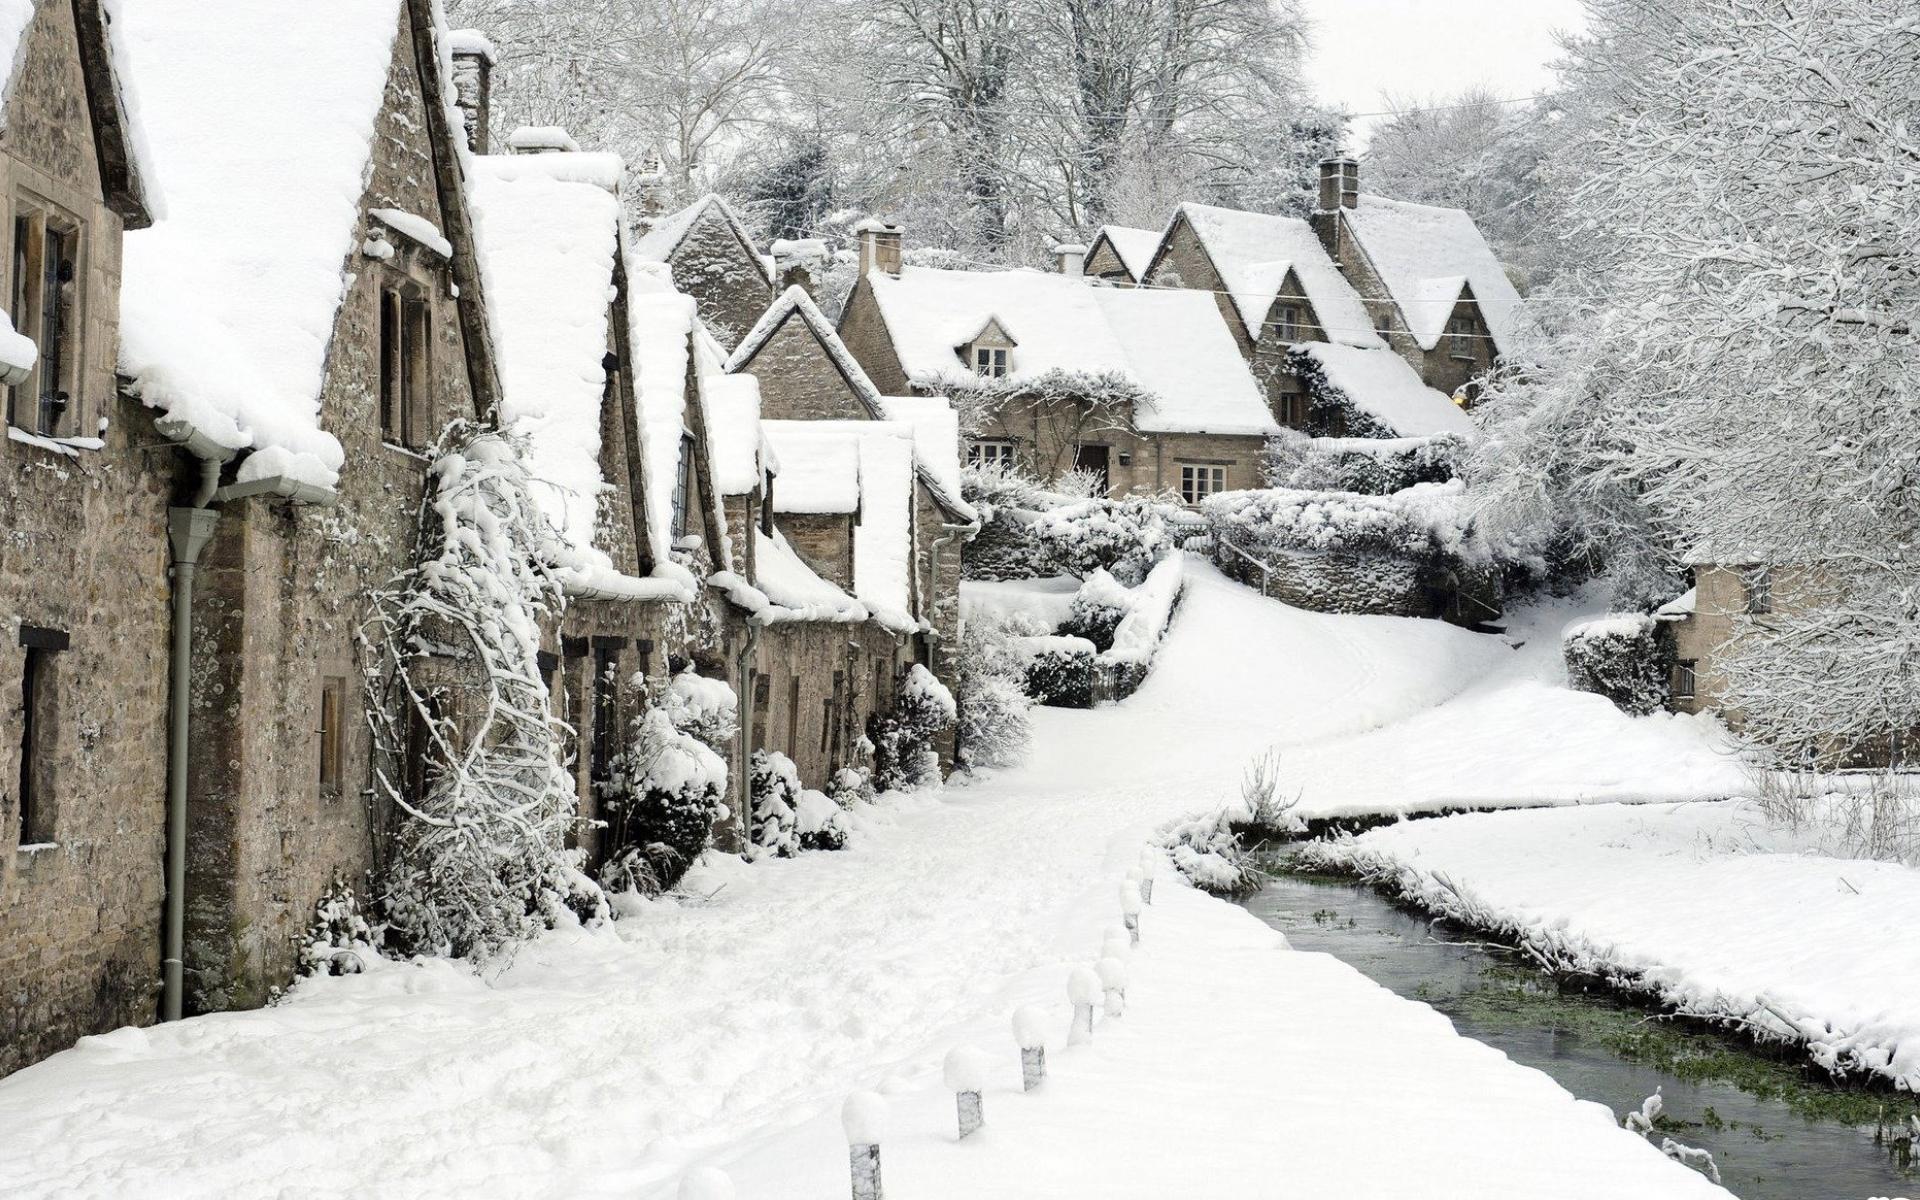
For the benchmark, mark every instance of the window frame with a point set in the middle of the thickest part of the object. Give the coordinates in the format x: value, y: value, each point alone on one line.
x: 989, y: 452
x: 1190, y: 477
x: 1757, y: 582
x: 990, y: 362
x: 34, y: 811
x: 404, y: 347
x: 1685, y: 684
x: 331, y: 733
x: 1286, y: 323
x: 62, y: 350
x: 681, y: 500
x: 1460, y: 334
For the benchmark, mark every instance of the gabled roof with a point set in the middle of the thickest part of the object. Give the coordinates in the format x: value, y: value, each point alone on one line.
x: 663, y: 240
x: 1253, y: 252
x: 1385, y: 386
x: 796, y: 304
x: 125, y: 163
x: 864, y: 468
x: 228, y: 302
x: 1133, y: 247
x: 1425, y: 255
x: 1170, y: 342
x: 995, y: 328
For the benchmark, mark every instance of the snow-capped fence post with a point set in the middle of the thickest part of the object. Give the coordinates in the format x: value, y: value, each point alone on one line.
x: 1030, y: 1031
x: 1147, y: 863
x: 706, y: 1183
x: 1113, y: 980
x: 1117, y: 945
x: 1130, y: 911
x: 1083, y: 987
x: 966, y: 1076
x: 864, y: 1117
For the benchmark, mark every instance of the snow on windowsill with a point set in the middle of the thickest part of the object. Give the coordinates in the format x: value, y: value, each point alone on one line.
x: 414, y: 228
x: 38, y: 847
x: 71, y: 447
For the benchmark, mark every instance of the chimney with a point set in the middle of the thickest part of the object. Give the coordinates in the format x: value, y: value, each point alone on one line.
x: 541, y: 139
x: 879, y: 247
x: 1339, y: 183
x: 652, y: 181
x: 1071, y: 258
x: 473, y: 60
x: 796, y: 262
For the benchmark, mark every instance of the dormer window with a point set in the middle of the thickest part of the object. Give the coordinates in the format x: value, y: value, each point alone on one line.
x: 989, y: 353
x: 990, y: 361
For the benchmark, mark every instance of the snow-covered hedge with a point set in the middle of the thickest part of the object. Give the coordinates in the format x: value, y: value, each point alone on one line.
x: 903, y: 740
x: 1028, y: 532
x: 994, y: 712
x: 1372, y: 466
x: 1059, y: 670
x: 1098, y: 608
x: 1621, y: 657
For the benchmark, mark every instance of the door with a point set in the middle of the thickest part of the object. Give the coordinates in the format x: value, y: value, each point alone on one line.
x: 1093, y: 459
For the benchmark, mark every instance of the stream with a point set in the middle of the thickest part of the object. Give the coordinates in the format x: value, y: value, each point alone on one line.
x: 1776, y: 1130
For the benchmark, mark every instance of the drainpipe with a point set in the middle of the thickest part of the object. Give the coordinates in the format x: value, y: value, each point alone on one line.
x: 743, y: 811
x: 189, y: 530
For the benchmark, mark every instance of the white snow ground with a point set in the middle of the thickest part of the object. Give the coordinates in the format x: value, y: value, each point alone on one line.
x: 604, y: 1063
x: 1706, y: 905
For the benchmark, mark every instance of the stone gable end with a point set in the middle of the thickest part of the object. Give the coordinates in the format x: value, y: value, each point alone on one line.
x: 799, y: 380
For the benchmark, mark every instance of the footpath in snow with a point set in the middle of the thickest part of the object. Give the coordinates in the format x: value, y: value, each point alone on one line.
x: 1706, y: 906
x: 727, y: 1030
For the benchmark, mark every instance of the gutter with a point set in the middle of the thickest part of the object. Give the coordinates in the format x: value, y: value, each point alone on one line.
x: 189, y: 528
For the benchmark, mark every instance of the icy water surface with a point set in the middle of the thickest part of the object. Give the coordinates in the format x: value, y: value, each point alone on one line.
x: 1777, y: 1132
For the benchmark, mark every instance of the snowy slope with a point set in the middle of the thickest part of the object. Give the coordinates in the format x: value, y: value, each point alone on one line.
x: 1703, y: 904
x: 602, y: 1063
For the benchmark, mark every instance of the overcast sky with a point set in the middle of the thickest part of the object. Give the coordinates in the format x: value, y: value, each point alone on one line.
x: 1424, y: 48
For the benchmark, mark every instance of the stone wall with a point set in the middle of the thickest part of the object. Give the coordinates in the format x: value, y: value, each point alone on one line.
x: 864, y: 332
x: 799, y: 381
x: 83, y: 550
x: 824, y: 542
x: 822, y: 680
x: 724, y: 276
x: 1104, y: 263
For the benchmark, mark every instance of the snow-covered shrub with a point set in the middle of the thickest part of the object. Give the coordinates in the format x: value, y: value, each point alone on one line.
x: 705, y: 708
x: 821, y: 823
x: 1620, y: 657
x: 773, y: 831
x: 340, y: 941
x: 995, y: 727
x: 903, y: 740
x: 851, y: 786
x: 1098, y: 608
x: 1207, y: 850
x: 1867, y: 814
x: 661, y: 801
x: 479, y: 858
x: 1059, y: 671
x: 1125, y: 537
x: 1374, y: 466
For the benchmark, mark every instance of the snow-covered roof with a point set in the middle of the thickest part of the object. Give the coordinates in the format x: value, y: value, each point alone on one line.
x: 472, y: 41
x: 1679, y: 608
x: 1170, y: 342
x: 795, y: 588
x: 733, y: 421
x: 664, y: 237
x: 819, y: 466
x: 1133, y: 247
x: 939, y: 457
x: 547, y: 247
x: 1252, y: 252
x: 1424, y: 255
x: 228, y: 302
x: 661, y: 324
x: 1383, y: 385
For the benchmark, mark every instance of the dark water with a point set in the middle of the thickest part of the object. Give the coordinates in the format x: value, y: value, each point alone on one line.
x: 1777, y: 1131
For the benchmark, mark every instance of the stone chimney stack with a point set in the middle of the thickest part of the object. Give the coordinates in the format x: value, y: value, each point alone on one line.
x: 541, y: 139
x: 879, y: 247
x: 473, y: 60
x: 1071, y: 258
x: 797, y: 262
x: 1339, y: 183
x: 652, y: 181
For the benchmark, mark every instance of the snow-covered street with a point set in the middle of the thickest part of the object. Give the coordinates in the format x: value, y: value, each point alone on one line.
x: 603, y: 1063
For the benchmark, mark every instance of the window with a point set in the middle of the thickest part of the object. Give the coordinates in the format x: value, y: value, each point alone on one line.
x: 1382, y: 317
x: 793, y: 717
x: 44, y: 308
x: 1200, y: 480
x: 683, y: 487
x: 333, y: 693
x: 406, y: 398
x: 990, y: 361
x: 1760, y: 590
x: 1460, y: 334
x: 33, y: 809
x: 1293, y: 409
x: 606, y: 698
x: 1683, y: 678
x: 1286, y: 323
x: 991, y: 452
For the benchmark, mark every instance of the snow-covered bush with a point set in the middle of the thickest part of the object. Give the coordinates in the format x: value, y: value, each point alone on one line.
x: 479, y: 858
x: 1059, y: 671
x: 773, y: 831
x: 705, y: 708
x: 995, y: 727
x: 340, y: 941
x: 1620, y: 657
x: 1374, y: 466
x: 903, y: 740
x: 820, y: 822
x: 852, y: 786
x: 1125, y: 537
x: 1215, y: 851
x: 1098, y: 608
x: 1427, y: 520
x: 660, y: 803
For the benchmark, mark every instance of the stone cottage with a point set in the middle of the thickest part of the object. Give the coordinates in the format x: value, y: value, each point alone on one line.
x: 1143, y: 388
x: 83, y: 556
x: 714, y: 260
x: 1121, y: 255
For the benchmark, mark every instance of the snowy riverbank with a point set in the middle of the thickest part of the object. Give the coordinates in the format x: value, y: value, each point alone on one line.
x: 603, y: 1063
x: 1704, y: 906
